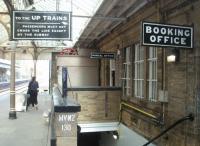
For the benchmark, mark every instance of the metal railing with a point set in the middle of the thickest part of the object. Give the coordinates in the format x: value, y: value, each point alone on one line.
x: 189, y: 117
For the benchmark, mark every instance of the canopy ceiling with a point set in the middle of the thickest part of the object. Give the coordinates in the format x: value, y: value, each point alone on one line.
x: 91, y: 19
x: 108, y: 16
x: 78, y: 8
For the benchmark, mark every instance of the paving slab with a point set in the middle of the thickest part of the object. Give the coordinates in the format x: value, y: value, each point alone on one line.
x: 29, y: 129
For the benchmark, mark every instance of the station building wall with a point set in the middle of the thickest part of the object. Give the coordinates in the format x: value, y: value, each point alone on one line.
x: 82, y: 71
x: 179, y: 81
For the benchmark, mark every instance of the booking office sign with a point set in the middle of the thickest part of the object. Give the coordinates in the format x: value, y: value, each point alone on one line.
x: 39, y: 25
x: 164, y: 35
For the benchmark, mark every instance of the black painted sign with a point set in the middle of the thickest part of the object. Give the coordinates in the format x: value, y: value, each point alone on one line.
x: 98, y: 55
x: 38, y: 25
x: 155, y: 34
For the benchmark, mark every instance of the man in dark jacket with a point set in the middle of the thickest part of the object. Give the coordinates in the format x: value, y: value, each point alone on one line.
x: 33, y: 91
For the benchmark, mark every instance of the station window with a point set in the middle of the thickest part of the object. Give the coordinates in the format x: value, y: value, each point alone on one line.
x: 126, y: 72
x: 152, y: 79
x: 145, y: 72
x: 139, y: 72
x: 112, y: 72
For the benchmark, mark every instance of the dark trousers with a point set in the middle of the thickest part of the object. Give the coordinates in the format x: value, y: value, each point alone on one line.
x: 33, y: 98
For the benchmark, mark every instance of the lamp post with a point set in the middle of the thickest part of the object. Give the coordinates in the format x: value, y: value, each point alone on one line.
x: 12, y: 112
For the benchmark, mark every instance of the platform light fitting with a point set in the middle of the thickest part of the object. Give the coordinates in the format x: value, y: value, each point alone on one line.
x: 173, y: 56
x: 115, y: 135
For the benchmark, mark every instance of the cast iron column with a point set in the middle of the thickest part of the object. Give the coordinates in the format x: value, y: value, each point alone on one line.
x: 12, y: 113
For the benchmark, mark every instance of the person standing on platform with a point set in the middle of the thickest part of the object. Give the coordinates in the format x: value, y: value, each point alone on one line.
x: 33, y: 91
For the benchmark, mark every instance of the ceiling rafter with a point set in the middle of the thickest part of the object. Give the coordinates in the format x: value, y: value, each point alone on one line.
x: 97, y: 29
x: 105, y: 12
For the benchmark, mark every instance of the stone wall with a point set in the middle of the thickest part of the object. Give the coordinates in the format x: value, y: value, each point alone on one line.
x: 180, y: 79
x: 97, y: 106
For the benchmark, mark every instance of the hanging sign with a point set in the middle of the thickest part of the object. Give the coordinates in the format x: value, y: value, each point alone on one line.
x: 155, y: 34
x: 69, y: 51
x: 98, y: 55
x: 38, y: 25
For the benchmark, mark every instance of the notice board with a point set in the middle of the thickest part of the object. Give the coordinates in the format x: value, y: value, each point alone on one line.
x: 39, y: 25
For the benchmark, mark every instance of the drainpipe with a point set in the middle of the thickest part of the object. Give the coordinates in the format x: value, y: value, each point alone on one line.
x: 162, y: 19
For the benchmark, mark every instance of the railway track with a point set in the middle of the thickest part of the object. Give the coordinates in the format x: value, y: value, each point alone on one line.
x: 18, y: 89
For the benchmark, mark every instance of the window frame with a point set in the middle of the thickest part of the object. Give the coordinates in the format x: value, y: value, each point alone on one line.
x: 126, y: 71
x: 152, y: 74
x: 140, y: 78
x: 139, y: 61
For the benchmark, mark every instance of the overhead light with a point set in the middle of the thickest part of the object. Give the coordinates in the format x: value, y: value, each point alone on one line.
x: 171, y: 58
x: 115, y: 135
x: 174, y: 55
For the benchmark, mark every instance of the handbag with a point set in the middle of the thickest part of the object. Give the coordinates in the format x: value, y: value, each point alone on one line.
x: 28, y: 96
x: 28, y: 93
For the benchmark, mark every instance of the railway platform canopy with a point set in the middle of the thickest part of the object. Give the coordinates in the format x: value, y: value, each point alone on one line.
x: 90, y: 21
x: 81, y: 13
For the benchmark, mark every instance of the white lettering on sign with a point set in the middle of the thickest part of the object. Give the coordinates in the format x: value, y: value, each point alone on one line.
x: 153, y: 38
x: 148, y: 29
x: 66, y: 127
x: 166, y: 39
x: 66, y: 118
x: 35, y: 17
x: 168, y: 31
x: 155, y: 34
x: 55, y: 18
x: 22, y: 18
x: 187, y: 33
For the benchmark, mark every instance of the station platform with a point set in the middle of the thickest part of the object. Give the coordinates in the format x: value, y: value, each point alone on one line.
x: 29, y: 129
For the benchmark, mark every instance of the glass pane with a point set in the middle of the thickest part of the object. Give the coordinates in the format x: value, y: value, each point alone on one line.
x: 152, y: 92
x: 4, y: 34
x: 3, y: 7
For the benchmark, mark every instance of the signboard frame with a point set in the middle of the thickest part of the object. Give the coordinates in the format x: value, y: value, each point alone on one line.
x: 68, y: 28
x: 191, y: 27
x: 102, y: 55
